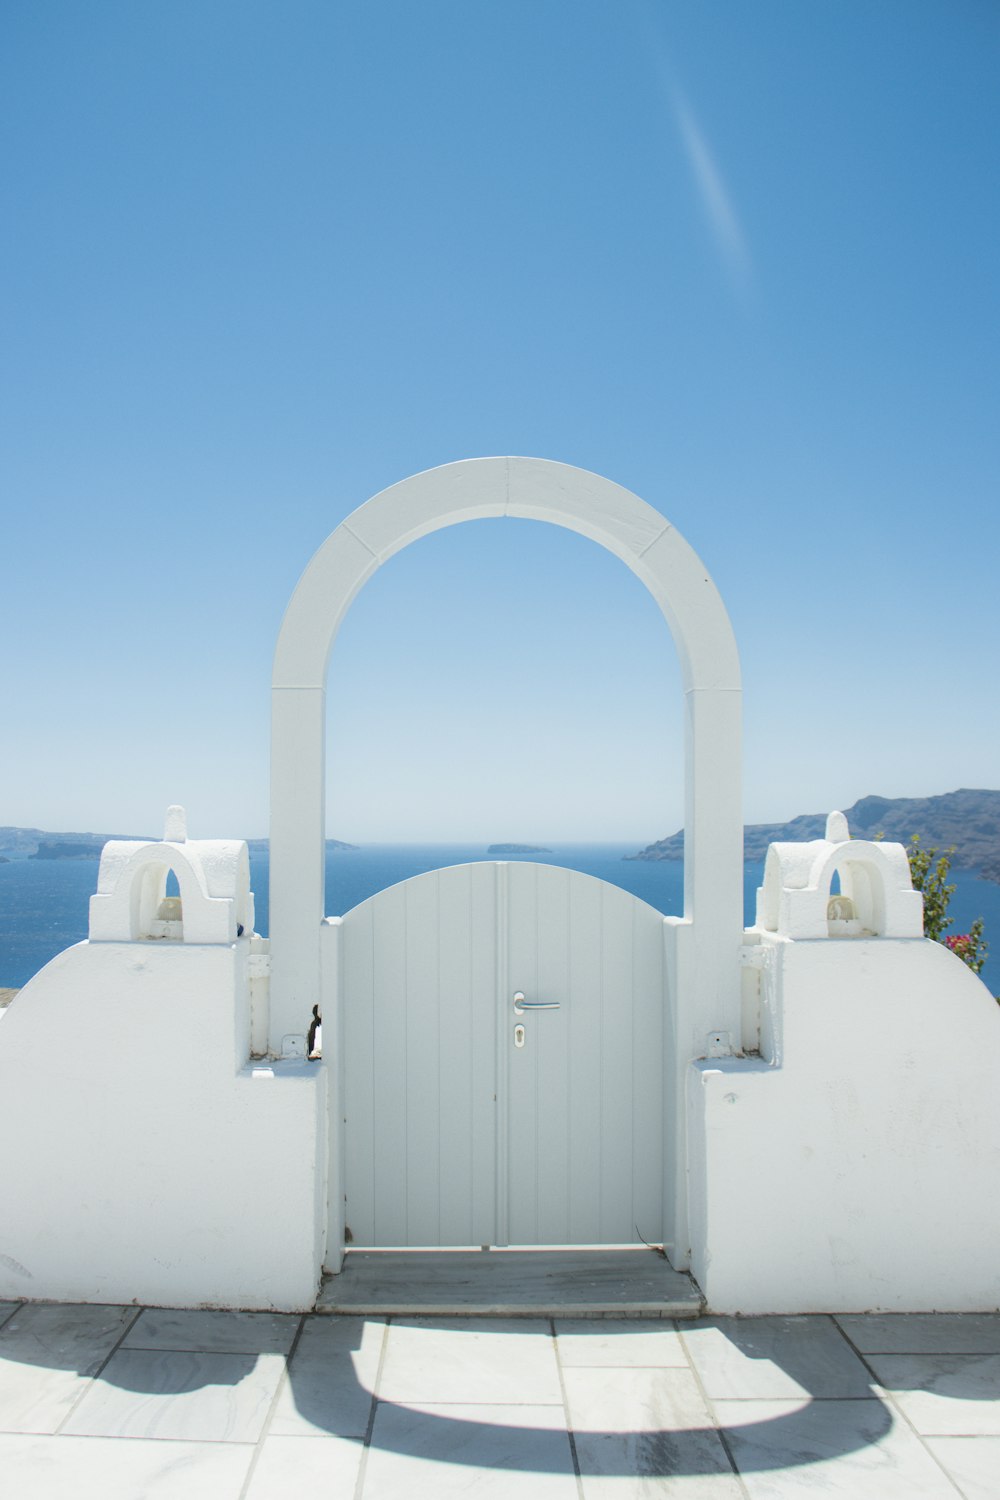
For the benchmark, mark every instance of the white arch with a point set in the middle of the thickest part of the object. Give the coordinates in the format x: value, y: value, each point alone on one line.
x: 541, y: 490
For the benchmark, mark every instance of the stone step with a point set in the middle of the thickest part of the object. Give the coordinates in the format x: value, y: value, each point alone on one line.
x: 557, y: 1283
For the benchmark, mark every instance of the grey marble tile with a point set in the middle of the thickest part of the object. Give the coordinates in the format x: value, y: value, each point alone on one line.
x: 64, y: 1335
x: 972, y: 1462
x: 213, y: 1332
x: 433, y: 1452
x: 642, y: 1341
x: 788, y: 1450
x: 343, y: 1334
x: 331, y: 1378
x: 306, y: 1469
x: 923, y: 1333
x: 68, y: 1468
x: 47, y: 1355
x: 171, y: 1394
x: 604, y: 1401
x: 775, y: 1357
x: 484, y: 1360
x: 633, y: 1466
x: 944, y: 1395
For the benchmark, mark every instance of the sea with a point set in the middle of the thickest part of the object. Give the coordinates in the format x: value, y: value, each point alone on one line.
x: 44, y: 903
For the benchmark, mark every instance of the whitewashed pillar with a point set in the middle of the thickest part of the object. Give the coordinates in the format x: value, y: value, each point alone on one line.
x: 713, y: 860
x: 298, y: 863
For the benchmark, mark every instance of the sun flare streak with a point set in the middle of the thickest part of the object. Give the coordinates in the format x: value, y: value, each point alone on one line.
x: 726, y: 227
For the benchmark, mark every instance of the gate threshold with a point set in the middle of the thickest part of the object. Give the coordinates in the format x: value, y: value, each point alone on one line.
x: 598, y: 1283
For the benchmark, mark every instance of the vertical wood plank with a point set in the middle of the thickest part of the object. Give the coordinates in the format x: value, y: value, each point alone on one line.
x: 523, y: 1062
x: 466, y: 1104
x: 482, y: 1068
x: 358, y: 1008
x: 391, y: 1102
x: 586, y: 1120
x: 421, y: 1026
x: 504, y: 1052
x: 551, y: 1034
x: 649, y: 1076
x: 617, y: 1146
x: 454, y: 1039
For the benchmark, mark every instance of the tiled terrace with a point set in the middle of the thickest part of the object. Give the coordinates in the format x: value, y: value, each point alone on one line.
x: 114, y: 1403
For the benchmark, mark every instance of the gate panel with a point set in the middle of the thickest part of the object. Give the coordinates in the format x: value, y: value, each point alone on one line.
x: 586, y: 1113
x: 456, y: 1136
x: 419, y: 1005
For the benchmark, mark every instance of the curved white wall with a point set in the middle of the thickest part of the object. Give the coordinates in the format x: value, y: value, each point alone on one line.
x: 855, y: 1166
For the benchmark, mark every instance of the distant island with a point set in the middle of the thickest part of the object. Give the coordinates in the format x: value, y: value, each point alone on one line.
x: 966, y: 820
x: 65, y: 850
x: 26, y: 843
x: 518, y: 849
x: 38, y: 843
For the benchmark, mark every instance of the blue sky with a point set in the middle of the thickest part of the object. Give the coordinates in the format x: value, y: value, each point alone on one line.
x: 262, y: 260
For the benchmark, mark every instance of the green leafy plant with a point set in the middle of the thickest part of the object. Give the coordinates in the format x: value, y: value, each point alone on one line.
x: 929, y: 872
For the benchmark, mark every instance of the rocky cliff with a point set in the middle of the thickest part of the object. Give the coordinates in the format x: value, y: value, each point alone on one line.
x: 966, y: 820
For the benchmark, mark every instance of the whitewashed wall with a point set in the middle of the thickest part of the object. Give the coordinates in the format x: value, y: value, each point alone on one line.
x: 144, y: 1159
x: 856, y: 1165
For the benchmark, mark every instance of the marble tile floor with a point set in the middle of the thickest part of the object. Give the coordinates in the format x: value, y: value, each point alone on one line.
x: 124, y: 1403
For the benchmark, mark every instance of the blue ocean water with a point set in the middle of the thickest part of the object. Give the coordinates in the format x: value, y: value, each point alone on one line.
x: 44, y: 903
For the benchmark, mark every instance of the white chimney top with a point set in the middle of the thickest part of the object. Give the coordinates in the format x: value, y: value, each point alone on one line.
x: 175, y: 826
x: 837, y: 831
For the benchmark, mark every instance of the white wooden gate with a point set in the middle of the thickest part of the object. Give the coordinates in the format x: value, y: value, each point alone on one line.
x: 455, y: 1134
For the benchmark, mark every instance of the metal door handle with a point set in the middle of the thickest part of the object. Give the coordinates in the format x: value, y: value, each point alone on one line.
x: 521, y: 1005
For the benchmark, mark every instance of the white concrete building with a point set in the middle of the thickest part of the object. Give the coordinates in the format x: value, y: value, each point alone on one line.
x: 806, y: 1113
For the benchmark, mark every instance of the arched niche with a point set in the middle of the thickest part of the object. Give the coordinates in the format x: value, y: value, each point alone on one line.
x: 152, y: 914
x: 215, y: 904
x: 875, y: 881
x: 532, y: 489
x: 876, y: 897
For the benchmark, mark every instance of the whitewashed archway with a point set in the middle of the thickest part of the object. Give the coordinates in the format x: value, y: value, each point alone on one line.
x: 705, y: 959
